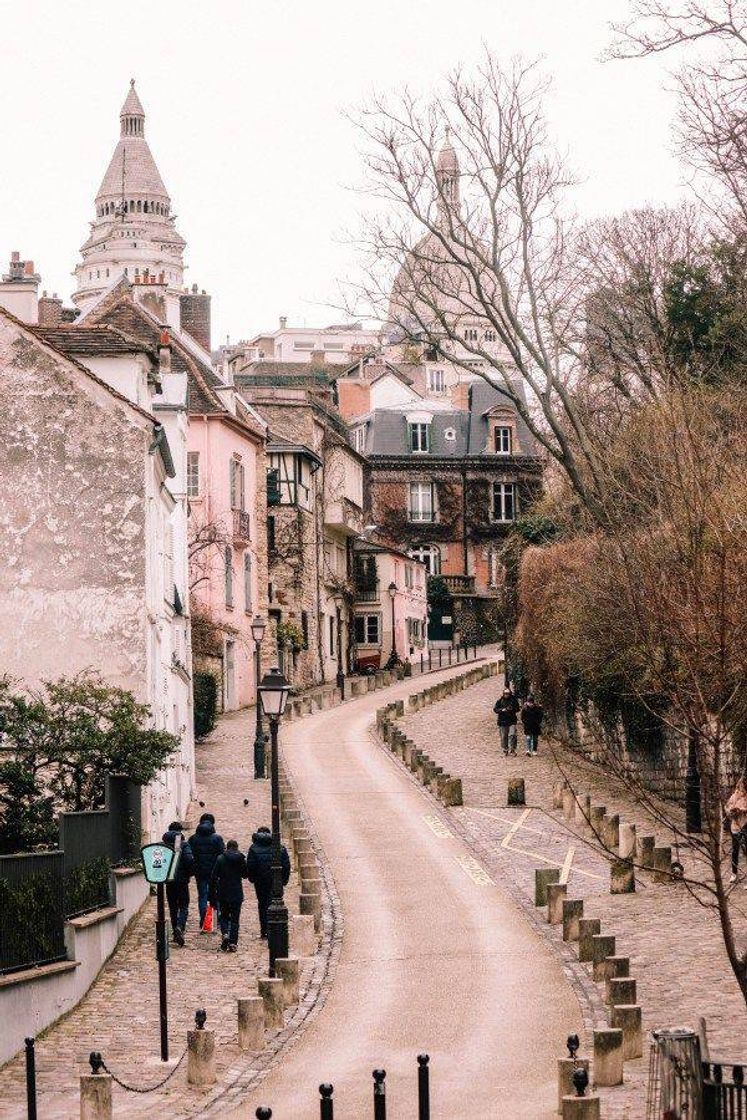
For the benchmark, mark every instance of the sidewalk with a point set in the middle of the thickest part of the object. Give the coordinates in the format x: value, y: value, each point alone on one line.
x: 674, y: 943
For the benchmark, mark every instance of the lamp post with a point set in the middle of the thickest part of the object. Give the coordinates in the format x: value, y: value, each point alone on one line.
x: 340, y: 673
x: 392, y: 592
x: 273, y: 693
x: 258, y: 632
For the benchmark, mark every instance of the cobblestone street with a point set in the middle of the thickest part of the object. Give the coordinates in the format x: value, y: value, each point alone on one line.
x: 674, y: 944
x: 119, y: 1016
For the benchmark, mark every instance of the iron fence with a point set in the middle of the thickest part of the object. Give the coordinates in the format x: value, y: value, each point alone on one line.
x: 724, y: 1092
x: 683, y: 1087
x: 85, y: 843
x: 32, y: 909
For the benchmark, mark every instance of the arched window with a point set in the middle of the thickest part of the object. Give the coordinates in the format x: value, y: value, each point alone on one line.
x: 430, y: 555
x: 139, y: 206
x: 145, y: 206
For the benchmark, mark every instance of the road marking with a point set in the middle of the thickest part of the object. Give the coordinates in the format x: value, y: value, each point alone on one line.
x: 507, y: 820
x: 567, y: 865
x: 476, y: 872
x: 437, y: 826
x: 554, y: 863
x: 514, y: 828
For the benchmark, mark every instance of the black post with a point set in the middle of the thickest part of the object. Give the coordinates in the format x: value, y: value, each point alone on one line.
x: 30, y: 1079
x: 449, y: 656
x: 430, y: 663
x: 422, y: 663
x: 693, y: 815
x: 394, y: 634
x: 440, y: 651
x: 424, y: 1089
x: 263, y: 1113
x: 162, y: 952
x: 326, y: 1104
x: 379, y: 1094
x: 259, y: 734
x: 340, y: 674
x: 277, y: 914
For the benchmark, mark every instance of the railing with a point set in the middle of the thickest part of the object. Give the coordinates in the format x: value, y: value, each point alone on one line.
x: 241, y: 526
x: 675, y: 1077
x: 460, y: 585
x: 367, y: 593
x: 85, y: 839
x: 724, y: 1093
x: 32, y: 909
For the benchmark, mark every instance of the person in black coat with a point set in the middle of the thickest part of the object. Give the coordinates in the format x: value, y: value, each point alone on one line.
x: 206, y: 846
x: 227, y: 892
x: 506, y: 709
x: 531, y: 720
x: 177, y: 889
x: 259, y: 872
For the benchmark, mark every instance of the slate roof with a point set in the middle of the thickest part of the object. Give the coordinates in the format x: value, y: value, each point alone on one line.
x: 299, y: 374
x: 100, y: 340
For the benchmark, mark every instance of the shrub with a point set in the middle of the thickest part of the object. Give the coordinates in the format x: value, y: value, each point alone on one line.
x: 206, y: 703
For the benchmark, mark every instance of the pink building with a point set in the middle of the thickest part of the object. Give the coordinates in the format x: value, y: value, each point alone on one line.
x: 391, y: 609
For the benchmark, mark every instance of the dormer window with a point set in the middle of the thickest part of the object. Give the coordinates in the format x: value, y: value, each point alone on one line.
x: 503, y: 439
x: 435, y: 381
x: 419, y: 437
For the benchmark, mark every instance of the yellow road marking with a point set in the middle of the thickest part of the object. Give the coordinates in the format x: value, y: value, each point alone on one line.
x: 514, y: 828
x: 567, y: 865
x: 437, y: 826
x: 475, y: 871
x: 554, y: 863
x: 508, y: 820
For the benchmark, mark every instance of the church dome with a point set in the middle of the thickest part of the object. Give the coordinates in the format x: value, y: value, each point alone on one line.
x: 132, y: 171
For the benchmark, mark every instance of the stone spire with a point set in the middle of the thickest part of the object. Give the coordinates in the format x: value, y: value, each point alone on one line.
x: 447, y: 176
x: 133, y: 233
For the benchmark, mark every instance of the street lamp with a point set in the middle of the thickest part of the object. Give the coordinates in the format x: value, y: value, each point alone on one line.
x: 258, y: 632
x: 273, y: 693
x: 392, y: 592
x: 340, y: 674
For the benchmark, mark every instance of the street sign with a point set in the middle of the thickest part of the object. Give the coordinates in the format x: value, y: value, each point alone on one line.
x: 157, y: 862
x: 446, y: 619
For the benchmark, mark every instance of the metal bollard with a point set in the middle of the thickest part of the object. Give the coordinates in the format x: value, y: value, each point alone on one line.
x: 263, y: 1113
x: 326, y: 1104
x: 449, y: 656
x: 379, y: 1076
x: 30, y: 1079
x: 422, y: 662
x: 424, y: 1089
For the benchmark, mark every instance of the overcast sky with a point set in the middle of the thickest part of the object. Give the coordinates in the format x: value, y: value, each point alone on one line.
x: 244, y: 103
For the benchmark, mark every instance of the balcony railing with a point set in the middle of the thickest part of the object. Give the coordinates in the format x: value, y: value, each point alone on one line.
x: 367, y: 593
x: 460, y: 585
x: 241, y: 526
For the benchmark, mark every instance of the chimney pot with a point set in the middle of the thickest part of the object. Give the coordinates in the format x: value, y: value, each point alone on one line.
x: 28, y: 268
x: 194, y: 288
x: 15, y: 256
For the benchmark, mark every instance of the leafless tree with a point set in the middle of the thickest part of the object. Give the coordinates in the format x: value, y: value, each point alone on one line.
x: 206, y: 540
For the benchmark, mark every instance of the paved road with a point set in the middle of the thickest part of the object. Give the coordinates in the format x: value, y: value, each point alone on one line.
x: 434, y: 957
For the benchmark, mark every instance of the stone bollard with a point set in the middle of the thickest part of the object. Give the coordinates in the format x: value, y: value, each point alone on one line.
x: 302, y: 937
x: 617, y: 968
x: 645, y: 851
x: 516, y: 792
x: 573, y: 911
x: 610, y: 836
x: 289, y: 971
x: 626, y: 848
x: 582, y: 811
x: 556, y: 894
x: 596, y: 817
x: 557, y: 795
x: 587, y: 928
x: 543, y: 876
x: 662, y: 865
x: 201, y: 1057
x: 451, y: 794
x: 622, y: 877
x: 622, y: 990
x: 602, y: 946
x: 95, y: 1096
x: 581, y: 1108
x: 627, y: 1017
x: 271, y: 989
x: 311, y: 904
x: 608, y: 1057
x: 251, y: 1010
x: 304, y: 846
x: 569, y: 804
x: 566, y: 1067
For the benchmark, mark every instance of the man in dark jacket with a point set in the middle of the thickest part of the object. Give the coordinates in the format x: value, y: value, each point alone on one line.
x: 531, y: 721
x: 259, y: 872
x: 227, y: 892
x: 206, y: 846
x: 506, y: 708
x: 177, y: 889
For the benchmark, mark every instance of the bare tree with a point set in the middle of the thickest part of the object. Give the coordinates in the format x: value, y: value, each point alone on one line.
x: 206, y: 540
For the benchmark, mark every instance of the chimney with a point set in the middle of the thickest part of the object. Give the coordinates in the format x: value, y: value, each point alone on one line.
x: 460, y: 396
x: 353, y: 397
x: 50, y: 310
x: 164, y: 353
x: 317, y: 358
x: 283, y: 322
x: 19, y: 289
x: 194, y: 316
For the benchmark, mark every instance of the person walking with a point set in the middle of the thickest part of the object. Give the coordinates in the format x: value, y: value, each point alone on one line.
x: 531, y: 720
x: 227, y: 893
x: 259, y: 872
x: 206, y: 846
x: 736, y: 813
x: 177, y: 889
x: 506, y: 709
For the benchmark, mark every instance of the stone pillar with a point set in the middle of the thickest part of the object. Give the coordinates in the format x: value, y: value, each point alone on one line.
x: 596, y: 817
x: 602, y: 946
x: 201, y: 1057
x: 617, y: 968
x: 556, y: 894
x: 543, y: 876
x: 304, y: 846
x: 662, y: 864
x: 311, y: 904
x: 581, y: 1108
x: 611, y: 832
x: 587, y: 928
x: 302, y: 937
x: 516, y: 792
x: 582, y: 812
x: 622, y: 877
x: 627, y: 1017
x: 95, y: 1096
x: 566, y: 1067
x: 452, y: 792
x: 557, y: 795
x: 608, y: 1057
x: 271, y: 991
x: 622, y: 991
x: 569, y: 804
x: 645, y: 851
x: 288, y: 969
x: 626, y: 849
x: 573, y: 911
x: 251, y: 1012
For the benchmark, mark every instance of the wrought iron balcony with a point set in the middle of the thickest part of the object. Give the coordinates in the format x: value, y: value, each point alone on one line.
x: 367, y: 592
x: 241, y: 526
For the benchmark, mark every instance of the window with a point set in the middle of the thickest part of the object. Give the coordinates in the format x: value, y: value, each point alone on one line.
x: 271, y: 534
x: 236, y: 483
x: 435, y: 380
x: 415, y: 631
x: 359, y: 438
x: 367, y: 630
x: 193, y: 474
x: 450, y: 434
x: 247, y: 582
x: 421, y: 502
x: 495, y: 568
x: 504, y: 501
x: 430, y: 555
x: 503, y: 439
x: 168, y: 556
x: 228, y: 573
x: 490, y: 336
x: 408, y: 575
x: 419, y: 437
x: 470, y: 335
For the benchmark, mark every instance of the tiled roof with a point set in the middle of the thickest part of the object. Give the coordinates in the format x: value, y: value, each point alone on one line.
x: 284, y: 373
x: 103, y: 340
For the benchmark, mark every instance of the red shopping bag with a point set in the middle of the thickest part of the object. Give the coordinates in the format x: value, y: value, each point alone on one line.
x: 209, y: 924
